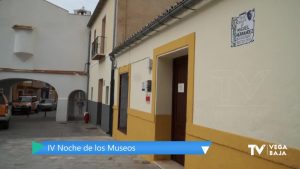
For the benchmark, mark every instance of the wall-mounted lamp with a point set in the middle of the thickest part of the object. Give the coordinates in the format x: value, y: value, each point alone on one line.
x: 149, y: 64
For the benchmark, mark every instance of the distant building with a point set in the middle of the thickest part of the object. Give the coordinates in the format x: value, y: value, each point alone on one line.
x: 33, y: 88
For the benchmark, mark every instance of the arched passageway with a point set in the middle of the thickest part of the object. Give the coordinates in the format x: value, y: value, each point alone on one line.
x: 16, y: 89
x: 64, y: 85
x: 76, y: 105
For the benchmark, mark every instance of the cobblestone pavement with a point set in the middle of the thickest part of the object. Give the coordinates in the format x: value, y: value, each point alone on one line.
x: 15, y: 145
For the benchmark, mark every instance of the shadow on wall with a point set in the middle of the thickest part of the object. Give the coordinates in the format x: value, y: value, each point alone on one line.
x: 76, y: 105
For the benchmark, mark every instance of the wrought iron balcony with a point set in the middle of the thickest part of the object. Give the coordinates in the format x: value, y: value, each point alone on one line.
x: 98, y: 48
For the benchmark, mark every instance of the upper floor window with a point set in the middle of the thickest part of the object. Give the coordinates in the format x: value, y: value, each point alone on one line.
x: 103, y: 33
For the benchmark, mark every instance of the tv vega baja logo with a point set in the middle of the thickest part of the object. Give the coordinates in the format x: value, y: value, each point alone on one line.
x: 269, y: 149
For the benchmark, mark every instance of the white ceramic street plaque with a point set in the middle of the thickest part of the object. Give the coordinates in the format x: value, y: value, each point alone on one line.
x: 242, y: 28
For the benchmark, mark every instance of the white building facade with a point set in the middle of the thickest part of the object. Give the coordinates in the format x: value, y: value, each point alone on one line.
x: 235, y: 92
x: 41, y: 41
x: 101, y: 26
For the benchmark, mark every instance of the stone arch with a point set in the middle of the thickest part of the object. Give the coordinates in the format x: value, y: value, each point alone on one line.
x: 64, y: 85
x: 76, y: 105
x: 8, y: 84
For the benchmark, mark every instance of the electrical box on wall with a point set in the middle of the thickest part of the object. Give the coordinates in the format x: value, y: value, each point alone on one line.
x: 147, y: 86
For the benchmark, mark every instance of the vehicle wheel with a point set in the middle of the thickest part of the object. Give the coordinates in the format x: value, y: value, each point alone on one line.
x: 6, y: 125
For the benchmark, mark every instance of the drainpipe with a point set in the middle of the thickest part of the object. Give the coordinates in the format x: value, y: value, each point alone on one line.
x: 112, y: 76
x: 88, y: 73
x: 112, y: 94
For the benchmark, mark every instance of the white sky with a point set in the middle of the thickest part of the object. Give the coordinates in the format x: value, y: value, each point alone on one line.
x: 70, y: 5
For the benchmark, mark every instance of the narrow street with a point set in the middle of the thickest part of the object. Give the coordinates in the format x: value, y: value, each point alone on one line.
x: 15, y: 145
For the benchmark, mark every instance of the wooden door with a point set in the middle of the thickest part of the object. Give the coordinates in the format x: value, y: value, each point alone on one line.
x: 179, y: 103
x: 123, y: 102
x: 99, y: 104
x: 100, y: 90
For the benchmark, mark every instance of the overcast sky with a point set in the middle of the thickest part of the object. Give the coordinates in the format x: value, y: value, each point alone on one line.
x: 70, y: 5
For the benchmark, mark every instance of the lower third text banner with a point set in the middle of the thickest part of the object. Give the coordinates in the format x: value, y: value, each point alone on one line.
x: 119, y: 147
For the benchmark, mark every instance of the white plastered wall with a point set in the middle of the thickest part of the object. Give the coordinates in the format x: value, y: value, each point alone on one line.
x: 63, y: 84
x: 102, y: 69
x: 139, y: 74
x: 252, y: 90
x: 59, y: 42
x: 59, y: 39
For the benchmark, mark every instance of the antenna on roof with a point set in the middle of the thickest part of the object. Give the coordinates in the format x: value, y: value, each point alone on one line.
x: 82, y: 11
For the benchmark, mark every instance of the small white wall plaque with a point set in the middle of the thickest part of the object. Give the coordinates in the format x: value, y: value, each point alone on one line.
x: 180, y: 87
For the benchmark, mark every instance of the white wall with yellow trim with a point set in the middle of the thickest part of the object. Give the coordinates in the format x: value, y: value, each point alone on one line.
x: 139, y: 73
x: 243, y: 95
x: 251, y: 90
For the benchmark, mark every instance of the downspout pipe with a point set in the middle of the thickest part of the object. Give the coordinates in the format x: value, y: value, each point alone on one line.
x: 112, y: 94
x: 112, y: 76
x: 88, y: 73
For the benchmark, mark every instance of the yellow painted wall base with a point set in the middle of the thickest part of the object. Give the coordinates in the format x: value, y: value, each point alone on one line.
x: 231, y: 151
x: 220, y: 156
x: 228, y: 151
x: 162, y: 132
x: 138, y: 129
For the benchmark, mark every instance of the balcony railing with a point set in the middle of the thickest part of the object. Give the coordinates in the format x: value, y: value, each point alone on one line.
x: 98, y: 48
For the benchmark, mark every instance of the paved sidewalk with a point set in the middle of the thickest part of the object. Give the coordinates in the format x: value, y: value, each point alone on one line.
x: 15, y: 146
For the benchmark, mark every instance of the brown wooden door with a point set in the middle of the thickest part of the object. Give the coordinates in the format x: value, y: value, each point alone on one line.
x: 179, y: 102
x: 99, y: 104
x: 123, y: 102
x: 100, y: 90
